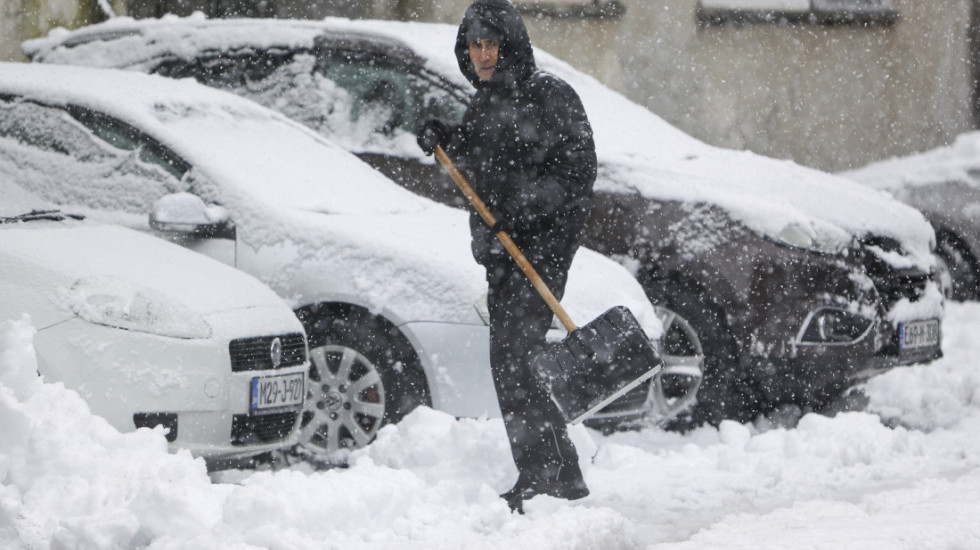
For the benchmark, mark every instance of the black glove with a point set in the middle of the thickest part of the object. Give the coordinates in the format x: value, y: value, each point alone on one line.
x: 433, y: 132
x: 509, y: 217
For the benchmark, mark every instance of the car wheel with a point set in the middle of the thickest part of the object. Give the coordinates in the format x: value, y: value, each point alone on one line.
x: 360, y: 379
x: 674, y: 389
x: 669, y: 393
x: 959, y: 264
x: 724, y: 393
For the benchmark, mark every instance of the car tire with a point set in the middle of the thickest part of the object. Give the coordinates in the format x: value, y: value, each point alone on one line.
x: 724, y: 393
x: 960, y: 265
x: 362, y: 377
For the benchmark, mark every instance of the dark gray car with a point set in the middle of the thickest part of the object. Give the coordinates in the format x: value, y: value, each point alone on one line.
x: 799, y: 284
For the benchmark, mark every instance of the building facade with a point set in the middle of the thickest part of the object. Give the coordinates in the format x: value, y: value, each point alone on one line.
x: 832, y: 84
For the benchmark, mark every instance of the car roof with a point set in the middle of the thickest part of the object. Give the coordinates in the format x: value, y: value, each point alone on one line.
x: 186, y: 37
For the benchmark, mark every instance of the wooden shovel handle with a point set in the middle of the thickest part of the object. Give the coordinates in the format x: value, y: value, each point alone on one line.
x: 508, y: 243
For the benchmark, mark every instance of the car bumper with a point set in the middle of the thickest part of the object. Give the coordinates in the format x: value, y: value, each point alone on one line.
x: 135, y: 379
x: 823, y: 372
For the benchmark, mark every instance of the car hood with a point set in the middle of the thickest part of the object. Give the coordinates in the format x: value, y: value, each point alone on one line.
x: 85, y: 260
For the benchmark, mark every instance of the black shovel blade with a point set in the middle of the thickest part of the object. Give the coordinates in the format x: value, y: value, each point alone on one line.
x: 596, y: 364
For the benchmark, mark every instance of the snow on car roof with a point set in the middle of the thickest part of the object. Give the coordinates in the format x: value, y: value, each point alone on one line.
x: 952, y: 163
x: 636, y: 148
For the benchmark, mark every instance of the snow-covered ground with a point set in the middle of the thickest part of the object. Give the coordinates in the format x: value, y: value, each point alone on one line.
x: 852, y: 481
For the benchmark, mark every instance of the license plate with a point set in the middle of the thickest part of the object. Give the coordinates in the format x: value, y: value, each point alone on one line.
x: 277, y: 392
x: 919, y: 334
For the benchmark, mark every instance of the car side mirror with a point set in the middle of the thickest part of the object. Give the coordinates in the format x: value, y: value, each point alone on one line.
x: 186, y: 213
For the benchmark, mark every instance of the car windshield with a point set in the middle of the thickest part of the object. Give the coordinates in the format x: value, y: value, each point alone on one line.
x: 277, y: 161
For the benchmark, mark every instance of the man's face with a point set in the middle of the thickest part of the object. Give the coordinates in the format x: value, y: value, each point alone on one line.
x: 483, y: 54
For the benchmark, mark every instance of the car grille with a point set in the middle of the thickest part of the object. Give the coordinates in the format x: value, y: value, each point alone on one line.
x: 248, y: 354
x: 267, y: 428
x: 910, y: 285
x: 892, y: 284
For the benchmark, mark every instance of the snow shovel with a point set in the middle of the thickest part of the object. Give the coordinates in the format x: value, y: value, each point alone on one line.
x: 594, y: 365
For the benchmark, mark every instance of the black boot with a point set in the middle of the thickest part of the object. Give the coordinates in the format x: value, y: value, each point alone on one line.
x: 566, y: 484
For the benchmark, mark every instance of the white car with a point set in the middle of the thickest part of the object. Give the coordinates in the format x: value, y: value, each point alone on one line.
x: 150, y: 334
x: 382, y: 279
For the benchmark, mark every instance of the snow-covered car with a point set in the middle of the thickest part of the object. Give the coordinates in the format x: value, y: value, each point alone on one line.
x: 943, y: 184
x: 383, y: 280
x: 799, y: 284
x: 151, y: 334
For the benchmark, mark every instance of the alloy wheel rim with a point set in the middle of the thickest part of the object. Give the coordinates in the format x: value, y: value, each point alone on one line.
x: 688, y: 366
x: 345, y: 401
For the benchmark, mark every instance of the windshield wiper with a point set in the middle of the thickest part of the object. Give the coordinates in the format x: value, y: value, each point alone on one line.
x: 35, y: 215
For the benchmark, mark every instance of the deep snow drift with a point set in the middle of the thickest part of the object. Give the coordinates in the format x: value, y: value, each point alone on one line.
x: 71, y: 481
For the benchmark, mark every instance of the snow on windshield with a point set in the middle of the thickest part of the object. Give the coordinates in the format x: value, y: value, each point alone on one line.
x: 258, y: 152
x: 17, y: 200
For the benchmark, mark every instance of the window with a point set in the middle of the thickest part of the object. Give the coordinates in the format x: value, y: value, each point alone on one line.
x: 572, y: 8
x: 46, y: 129
x: 125, y: 138
x: 74, y: 156
x: 826, y: 12
x: 390, y: 93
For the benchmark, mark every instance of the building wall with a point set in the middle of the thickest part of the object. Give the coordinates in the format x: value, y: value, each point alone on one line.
x: 826, y: 96
x: 25, y: 19
x: 11, y: 24
x: 830, y: 97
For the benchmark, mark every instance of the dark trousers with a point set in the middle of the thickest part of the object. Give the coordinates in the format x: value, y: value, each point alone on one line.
x: 519, y: 320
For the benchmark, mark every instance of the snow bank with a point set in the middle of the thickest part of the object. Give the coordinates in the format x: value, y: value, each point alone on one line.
x: 70, y: 480
x: 851, y: 481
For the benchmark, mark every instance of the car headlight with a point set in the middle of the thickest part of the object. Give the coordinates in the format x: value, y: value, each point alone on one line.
x: 116, y: 303
x: 826, y: 240
x: 834, y: 326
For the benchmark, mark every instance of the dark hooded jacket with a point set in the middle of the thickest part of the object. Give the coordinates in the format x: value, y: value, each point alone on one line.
x: 525, y: 142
